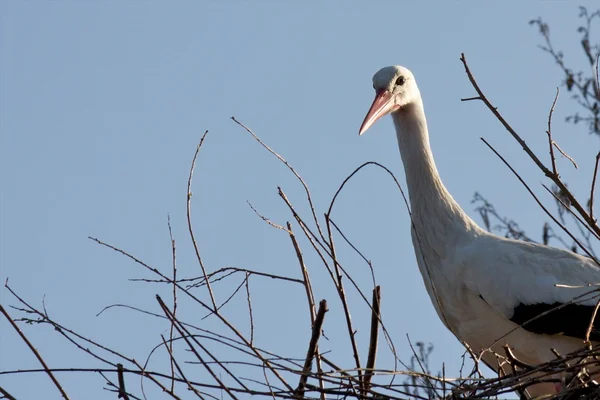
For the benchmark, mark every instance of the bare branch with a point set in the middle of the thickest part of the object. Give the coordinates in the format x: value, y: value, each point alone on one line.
x: 554, y: 177
x: 189, y: 220
x: 549, y: 132
x: 373, y: 338
x: 35, y: 352
x: 593, y: 187
x: 312, y: 349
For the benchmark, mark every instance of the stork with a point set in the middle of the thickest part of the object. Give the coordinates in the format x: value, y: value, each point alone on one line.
x: 486, y: 289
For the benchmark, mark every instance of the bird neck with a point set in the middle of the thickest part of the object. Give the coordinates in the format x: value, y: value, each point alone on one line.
x: 437, y: 218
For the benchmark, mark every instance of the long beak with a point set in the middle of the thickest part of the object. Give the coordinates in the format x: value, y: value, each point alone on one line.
x: 381, y: 106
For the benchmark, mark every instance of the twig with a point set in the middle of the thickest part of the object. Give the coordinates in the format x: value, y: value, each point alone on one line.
x: 342, y: 295
x: 287, y: 164
x: 554, y: 177
x: 591, y: 325
x: 305, y: 277
x: 169, y: 348
x: 549, y: 132
x: 592, y: 190
x: 247, y: 280
x: 373, y: 337
x: 184, y: 335
x: 6, y: 394
x: 267, y: 220
x: 568, y: 157
x: 174, y: 254
x: 237, y: 289
x: 122, y: 391
x: 312, y: 348
x: 35, y: 352
x: 310, y: 298
x: 540, y: 203
x: 224, y: 320
x: 189, y: 220
x: 577, y: 218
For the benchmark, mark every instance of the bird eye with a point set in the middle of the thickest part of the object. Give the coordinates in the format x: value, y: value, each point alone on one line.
x: 400, y: 81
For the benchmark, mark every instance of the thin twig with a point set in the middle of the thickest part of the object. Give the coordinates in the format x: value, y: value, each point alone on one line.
x: 169, y: 348
x: 224, y: 320
x: 592, y: 190
x: 540, y: 203
x: 288, y: 165
x: 310, y: 298
x: 554, y: 177
x: 577, y: 217
x: 549, y: 132
x: 568, y: 157
x: 312, y: 348
x: 342, y: 295
x: 305, y: 277
x: 250, y: 313
x: 374, y: 336
x: 174, y: 255
x: 591, y: 325
x: 35, y: 352
x: 184, y: 335
x: 189, y: 220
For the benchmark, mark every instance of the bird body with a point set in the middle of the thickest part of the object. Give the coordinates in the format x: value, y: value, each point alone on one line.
x: 484, y: 287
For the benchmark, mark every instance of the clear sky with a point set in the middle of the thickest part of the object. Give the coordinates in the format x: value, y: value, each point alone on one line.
x: 102, y: 104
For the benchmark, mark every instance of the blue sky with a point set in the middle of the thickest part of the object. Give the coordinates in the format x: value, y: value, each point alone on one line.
x: 102, y: 104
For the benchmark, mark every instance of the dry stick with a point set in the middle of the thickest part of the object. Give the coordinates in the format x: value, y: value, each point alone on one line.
x: 565, y: 155
x: 310, y: 298
x: 386, y: 335
x: 189, y: 220
x: 312, y: 349
x: 591, y: 325
x: 201, y: 303
x: 554, y: 177
x: 35, y: 352
x: 342, y: 294
x: 147, y: 374
x: 577, y: 217
x: 170, y: 351
x: 329, y: 211
x: 594, y: 186
x: 564, y: 228
x: 6, y: 394
x: 62, y: 329
x: 305, y: 277
x: 426, y: 377
x: 312, y: 238
x: 314, y: 241
x: 368, y: 262
x: 122, y: 391
x: 184, y: 335
x: 173, y: 251
x: 250, y: 309
x: 284, y: 161
x: 194, y: 338
x: 249, y: 271
x: 267, y: 220
x: 228, y: 299
x: 549, y: 132
x: 375, y: 316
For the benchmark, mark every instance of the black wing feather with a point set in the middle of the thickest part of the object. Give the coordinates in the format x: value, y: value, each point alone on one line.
x: 569, y: 320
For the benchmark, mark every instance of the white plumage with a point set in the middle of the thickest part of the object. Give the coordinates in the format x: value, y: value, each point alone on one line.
x: 482, y: 286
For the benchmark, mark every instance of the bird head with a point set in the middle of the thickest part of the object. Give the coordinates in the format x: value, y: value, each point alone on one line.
x: 395, y: 88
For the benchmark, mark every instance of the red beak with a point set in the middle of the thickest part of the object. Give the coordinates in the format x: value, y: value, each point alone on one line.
x: 381, y: 106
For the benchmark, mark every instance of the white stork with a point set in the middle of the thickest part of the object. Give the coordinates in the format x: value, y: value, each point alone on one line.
x: 483, y: 286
